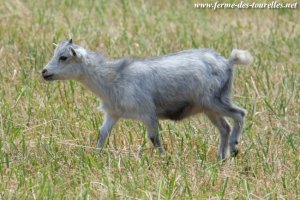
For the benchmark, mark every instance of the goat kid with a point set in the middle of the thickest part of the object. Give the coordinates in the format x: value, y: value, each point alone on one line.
x: 173, y: 86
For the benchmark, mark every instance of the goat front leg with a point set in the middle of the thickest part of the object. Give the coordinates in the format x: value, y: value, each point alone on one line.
x: 109, y: 122
x: 153, y: 133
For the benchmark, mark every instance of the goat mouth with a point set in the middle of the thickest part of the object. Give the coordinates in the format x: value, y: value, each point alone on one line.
x: 48, y: 77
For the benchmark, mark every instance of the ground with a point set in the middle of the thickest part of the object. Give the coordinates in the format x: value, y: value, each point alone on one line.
x: 48, y: 131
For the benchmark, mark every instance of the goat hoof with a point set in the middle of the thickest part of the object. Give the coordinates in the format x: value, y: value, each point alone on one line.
x: 234, y: 152
x: 223, y: 157
x: 222, y: 160
x: 98, y: 146
x: 162, y: 151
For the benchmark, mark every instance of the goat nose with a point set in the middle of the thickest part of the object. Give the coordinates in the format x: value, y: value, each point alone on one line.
x: 44, y: 71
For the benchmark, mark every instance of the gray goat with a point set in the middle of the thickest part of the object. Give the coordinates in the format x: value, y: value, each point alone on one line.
x: 173, y: 86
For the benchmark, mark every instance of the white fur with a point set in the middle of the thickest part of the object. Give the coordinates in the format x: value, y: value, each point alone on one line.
x: 240, y: 57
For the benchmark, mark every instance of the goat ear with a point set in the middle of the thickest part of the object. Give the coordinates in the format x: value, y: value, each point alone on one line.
x: 73, y: 51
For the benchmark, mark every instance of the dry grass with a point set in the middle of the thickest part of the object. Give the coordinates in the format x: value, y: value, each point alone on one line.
x: 48, y: 131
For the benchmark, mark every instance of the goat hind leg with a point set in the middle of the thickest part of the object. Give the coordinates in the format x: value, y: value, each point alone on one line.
x: 237, y: 114
x: 224, y: 130
x: 236, y: 133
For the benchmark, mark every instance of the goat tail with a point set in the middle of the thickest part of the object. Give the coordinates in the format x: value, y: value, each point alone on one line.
x: 240, y: 57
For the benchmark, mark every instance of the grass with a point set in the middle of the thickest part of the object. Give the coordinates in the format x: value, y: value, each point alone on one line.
x: 48, y: 131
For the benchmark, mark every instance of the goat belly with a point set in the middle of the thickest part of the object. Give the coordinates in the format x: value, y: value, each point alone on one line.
x: 177, y: 112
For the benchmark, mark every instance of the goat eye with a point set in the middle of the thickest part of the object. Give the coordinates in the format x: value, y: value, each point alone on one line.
x: 63, y: 58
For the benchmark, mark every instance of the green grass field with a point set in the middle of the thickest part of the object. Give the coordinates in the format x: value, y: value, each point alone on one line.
x: 48, y: 131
